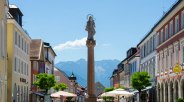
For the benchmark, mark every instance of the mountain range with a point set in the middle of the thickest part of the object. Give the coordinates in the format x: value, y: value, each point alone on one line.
x: 103, y: 70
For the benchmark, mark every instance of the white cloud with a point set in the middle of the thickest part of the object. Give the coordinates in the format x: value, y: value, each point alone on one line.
x: 71, y: 44
x: 106, y: 45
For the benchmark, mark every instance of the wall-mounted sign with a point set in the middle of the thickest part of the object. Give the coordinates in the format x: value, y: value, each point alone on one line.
x: 177, y: 68
x: 23, y: 80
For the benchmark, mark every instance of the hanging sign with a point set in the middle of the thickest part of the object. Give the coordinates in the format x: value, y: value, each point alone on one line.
x: 177, y: 68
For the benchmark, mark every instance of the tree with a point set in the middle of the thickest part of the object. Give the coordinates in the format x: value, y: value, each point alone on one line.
x: 180, y: 100
x: 45, y: 81
x: 61, y: 86
x: 109, y: 89
x: 139, y: 81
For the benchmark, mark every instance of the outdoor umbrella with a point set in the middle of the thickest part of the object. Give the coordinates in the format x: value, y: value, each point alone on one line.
x: 63, y: 93
x: 105, y: 94
x: 120, y: 92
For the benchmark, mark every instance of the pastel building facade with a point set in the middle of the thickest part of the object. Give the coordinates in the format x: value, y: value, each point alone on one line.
x: 147, y: 51
x: 37, y: 58
x: 18, y: 47
x: 170, y: 52
x: 49, y: 58
x: 61, y: 77
x: 130, y: 66
x: 121, y: 73
x: 3, y: 50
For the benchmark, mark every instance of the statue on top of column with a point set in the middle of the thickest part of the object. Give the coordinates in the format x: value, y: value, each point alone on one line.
x: 90, y: 27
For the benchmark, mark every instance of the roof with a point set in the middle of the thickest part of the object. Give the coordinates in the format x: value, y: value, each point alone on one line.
x: 47, y: 45
x: 61, y: 72
x: 162, y: 18
x: 35, y: 49
x: 15, y: 8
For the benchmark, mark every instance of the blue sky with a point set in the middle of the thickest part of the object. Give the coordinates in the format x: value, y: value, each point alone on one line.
x: 120, y: 24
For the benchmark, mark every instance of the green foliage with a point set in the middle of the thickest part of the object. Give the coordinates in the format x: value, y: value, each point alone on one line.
x: 140, y: 80
x: 120, y: 87
x: 180, y: 100
x: 109, y: 89
x: 45, y: 81
x: 56, y: 87
x: 61, y: 86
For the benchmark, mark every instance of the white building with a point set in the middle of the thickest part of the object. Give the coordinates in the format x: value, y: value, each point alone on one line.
x: 18, y: 57
x: 49, y: 58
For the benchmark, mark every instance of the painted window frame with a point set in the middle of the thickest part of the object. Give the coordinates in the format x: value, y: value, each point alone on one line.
x: 170, y: 28
x: 166, y: 32
x: 182, y: 19
x: 176, y: 24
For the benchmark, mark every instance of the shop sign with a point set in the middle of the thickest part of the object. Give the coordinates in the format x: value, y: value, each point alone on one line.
x: 177, y: 68
x: 23, y: 80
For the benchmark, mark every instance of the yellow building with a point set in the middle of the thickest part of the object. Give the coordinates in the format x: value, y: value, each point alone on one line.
x: 3, y: 50
x: 18, y: 48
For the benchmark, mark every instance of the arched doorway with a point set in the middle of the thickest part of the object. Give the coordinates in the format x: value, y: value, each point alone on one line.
x: 18, y: 94
x: 171, y: 92
x: 162, y: 93
x: 182, y: 88
x: 158, y: 92
x: 176, y: 90
x: 14, y: 99
x: 166, y: 92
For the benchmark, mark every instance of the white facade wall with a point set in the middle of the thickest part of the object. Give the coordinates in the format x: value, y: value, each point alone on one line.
x: 21, y: 69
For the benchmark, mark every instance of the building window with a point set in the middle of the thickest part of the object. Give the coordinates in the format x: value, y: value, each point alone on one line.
x: 176, y: 54
x: 19, y: 65
x: 153, y: 66
x: 162, y: 56
x: 27, y: 69
x: 171, y: 58
x: 182, y: 19
x: 24, y: 68
x: 166, y: 58
x: 158, y: 61
x: 27, y: 48
x: 171, y: 29
x: 57, y: 78
x: 144, y: 50
x: 15, y: 64
x: 162, y: 36
x: 154, y: 42
x: 15, y: 38
x: 166, y: 32
x: 19, y: 40
x: 22, y: 44
x: 151, y: 43
x: 22, y: 65
x: 176, y: 24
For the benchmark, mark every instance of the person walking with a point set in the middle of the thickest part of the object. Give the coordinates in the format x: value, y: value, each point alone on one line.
x: 122, y: 99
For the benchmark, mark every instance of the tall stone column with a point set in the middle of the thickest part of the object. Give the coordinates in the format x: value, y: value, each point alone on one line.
x: 90, y: 43
x: 91, y: 75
